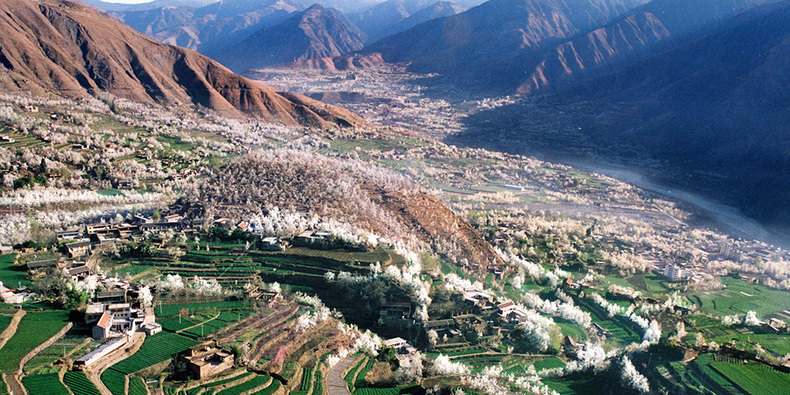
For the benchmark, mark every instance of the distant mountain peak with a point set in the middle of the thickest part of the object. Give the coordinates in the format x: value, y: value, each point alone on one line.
x: 317, y: 32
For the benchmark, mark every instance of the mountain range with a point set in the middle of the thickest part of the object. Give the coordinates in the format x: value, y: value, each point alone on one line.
x: 697, y: 86
x: 265, y: 27
x: 212, y: 29
x: 317, y: 32
x: 70, y: 49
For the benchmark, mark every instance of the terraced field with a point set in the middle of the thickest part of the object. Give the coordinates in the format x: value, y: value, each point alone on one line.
x: 351, y: 375
x: 406, y: 389
x: 225, y: 319
x: 231, y: 265
x: 79, y: 384
x: 622, y: 330
x: 55, y: 351
x: 137, y: 386
x: 248, y: 385
x: 155, y: 349
x: 172, y: 310
x: 211, y: 387
x: 755, y: 378
x: 45, y: 384
x: 34, y: 329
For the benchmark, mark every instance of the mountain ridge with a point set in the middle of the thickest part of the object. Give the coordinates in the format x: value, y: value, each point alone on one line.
x: 317, y: 32
x: 71, y: 49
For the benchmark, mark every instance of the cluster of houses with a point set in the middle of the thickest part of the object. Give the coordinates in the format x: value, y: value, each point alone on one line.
x: 80, y: 242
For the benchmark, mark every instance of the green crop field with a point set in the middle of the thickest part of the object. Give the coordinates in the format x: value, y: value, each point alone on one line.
x: 54, y: 352
x: 307, y: 376
x: 570, y: 329
x: 701, y: 371
x: 137, y: 386
x: 318, y: 380
x: 360, y: 382
x: 174, y: 309
x: 549, y: 363
x: 406, y: 389
x: 622, y: 329
x: 44, y: 384
x: 755, y: 378
x: 34, y: 329
x: 350, y: 375
x: 213, y: 325
x: 79, y: 384
x: 5, y: 320
x: 114, y: 381
x: 228, y: 380
x: 246, y: 386
x: 738, y: 297
x: 173, y: 324
x: 272, y: 388
x: 12, y: 275
x: 155, y: 349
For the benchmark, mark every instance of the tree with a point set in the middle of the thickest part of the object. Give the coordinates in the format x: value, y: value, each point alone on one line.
x: 74, y: 298
x: 42, y: 167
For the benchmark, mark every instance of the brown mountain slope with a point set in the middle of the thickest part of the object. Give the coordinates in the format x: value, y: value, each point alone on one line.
x: 317, y: 32
x: 345, y: 191
x: 71, y: 49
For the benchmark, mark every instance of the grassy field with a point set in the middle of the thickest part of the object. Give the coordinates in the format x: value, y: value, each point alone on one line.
x: 34, y: 329
x: 12, y: 275
x: 738, y: 297
x: 702, y: 373
x: 231, y: 265
x: 5, y: 320
x: 755, y: 378
x: 570, y: 329
x: 172, y: 310
x: 79, y: 384
x: 549, y: 363
x: 622, y: 330
x: 48, y: 384
x: 223, y: 320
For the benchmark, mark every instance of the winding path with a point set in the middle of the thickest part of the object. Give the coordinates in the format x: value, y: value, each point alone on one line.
x: 335, y: 383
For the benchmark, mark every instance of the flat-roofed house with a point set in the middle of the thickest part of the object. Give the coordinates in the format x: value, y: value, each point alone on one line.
x: 206, y: 360
x: 79, y: 248
x: 114, y: 296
